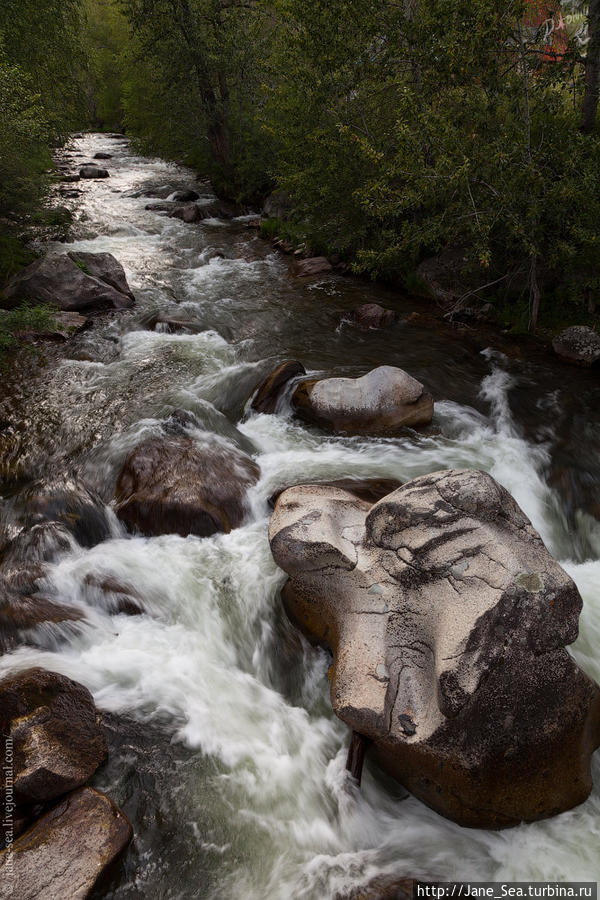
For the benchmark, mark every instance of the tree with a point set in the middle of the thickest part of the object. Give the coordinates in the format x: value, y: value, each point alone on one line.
x: 204, y: 77
x: 592, y: 69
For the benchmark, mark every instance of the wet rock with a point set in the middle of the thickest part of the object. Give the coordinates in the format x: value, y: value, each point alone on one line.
x: 55, y: 734
x: 69, y: 503
x: 70, y: 179
x: 315, y: 265
x: 269, y: 391
x: 66, y: 324
x: 59, y: 281
x: 372, y: 315
x: 160, y: 206
x: 172, y: 324
x: 114, y: 596
x: 68, y: 193
x: 383, y: 888
x: 448, y: 620
x: 578, y: 344
x: 179, y: 485
x: 180, y: 422
x: 369, y: 489
x: 185, y: 196
x: 195, y: 212
x: 27, y: 618
x: 27, y: 615
x: 67, y: 851
x: 93, y: 172
x: 103, y: 156
x: 105, y: 267
x: 117, y: 136
x: 382, y: 402
x: 189, y: 213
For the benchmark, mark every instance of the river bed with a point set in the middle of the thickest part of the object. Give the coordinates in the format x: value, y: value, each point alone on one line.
x: 224, y: 751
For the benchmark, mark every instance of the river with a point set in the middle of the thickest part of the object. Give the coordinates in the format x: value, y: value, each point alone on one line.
x: 224, y: 751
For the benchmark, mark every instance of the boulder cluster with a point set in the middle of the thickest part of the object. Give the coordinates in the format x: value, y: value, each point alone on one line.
x: 60, y: 837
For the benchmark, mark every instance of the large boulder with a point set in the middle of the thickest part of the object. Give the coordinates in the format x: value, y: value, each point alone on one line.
x: 66, y: 502
x: 270, y: 390
x: 382, y: 402
x: 54, y: 732
x: 60, y: 281
x: 93, y: 172
x: 578, y: 344
x: 448, y: 620
x: 105, y: 267
x: 67, y: 851
x: 179, y: 485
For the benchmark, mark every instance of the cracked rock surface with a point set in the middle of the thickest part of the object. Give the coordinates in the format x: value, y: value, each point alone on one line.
x: 448, y: 620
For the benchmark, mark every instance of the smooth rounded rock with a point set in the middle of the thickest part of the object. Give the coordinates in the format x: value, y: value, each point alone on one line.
x: 180, y: 485
x: 93, y: 172
x: 314, y: 265
x: 382, y: 402
x: 185, y: 196
x: 371, y: 316
x: 54, y: 732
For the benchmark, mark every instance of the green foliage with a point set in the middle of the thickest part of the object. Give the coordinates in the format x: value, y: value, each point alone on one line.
x: 105, y: 40
x: 404, y: 128
x: 43, y: 39
x: 395, y: 129
x: 24, y: 136
x: 14, y: 256
x: 25, y: 318
x: 193, y: 85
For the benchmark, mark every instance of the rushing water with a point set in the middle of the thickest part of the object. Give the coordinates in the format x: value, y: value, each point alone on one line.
x: 224, y: 751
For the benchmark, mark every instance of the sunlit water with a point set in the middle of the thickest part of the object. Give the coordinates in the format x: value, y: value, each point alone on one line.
x: 225, y: 754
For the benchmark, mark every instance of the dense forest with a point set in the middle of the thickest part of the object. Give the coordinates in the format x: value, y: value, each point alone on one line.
x: 390, y: 132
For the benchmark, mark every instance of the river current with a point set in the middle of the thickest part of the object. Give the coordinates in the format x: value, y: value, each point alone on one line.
x: 224, y: 751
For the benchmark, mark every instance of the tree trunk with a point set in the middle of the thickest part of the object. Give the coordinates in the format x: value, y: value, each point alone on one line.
x: 592, y: 70
x: 535, y: 295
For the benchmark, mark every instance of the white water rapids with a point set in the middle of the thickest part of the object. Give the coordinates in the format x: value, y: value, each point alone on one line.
x: 254, y: 802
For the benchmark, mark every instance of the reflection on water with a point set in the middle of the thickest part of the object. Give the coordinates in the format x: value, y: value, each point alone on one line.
x: 225, y: 754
